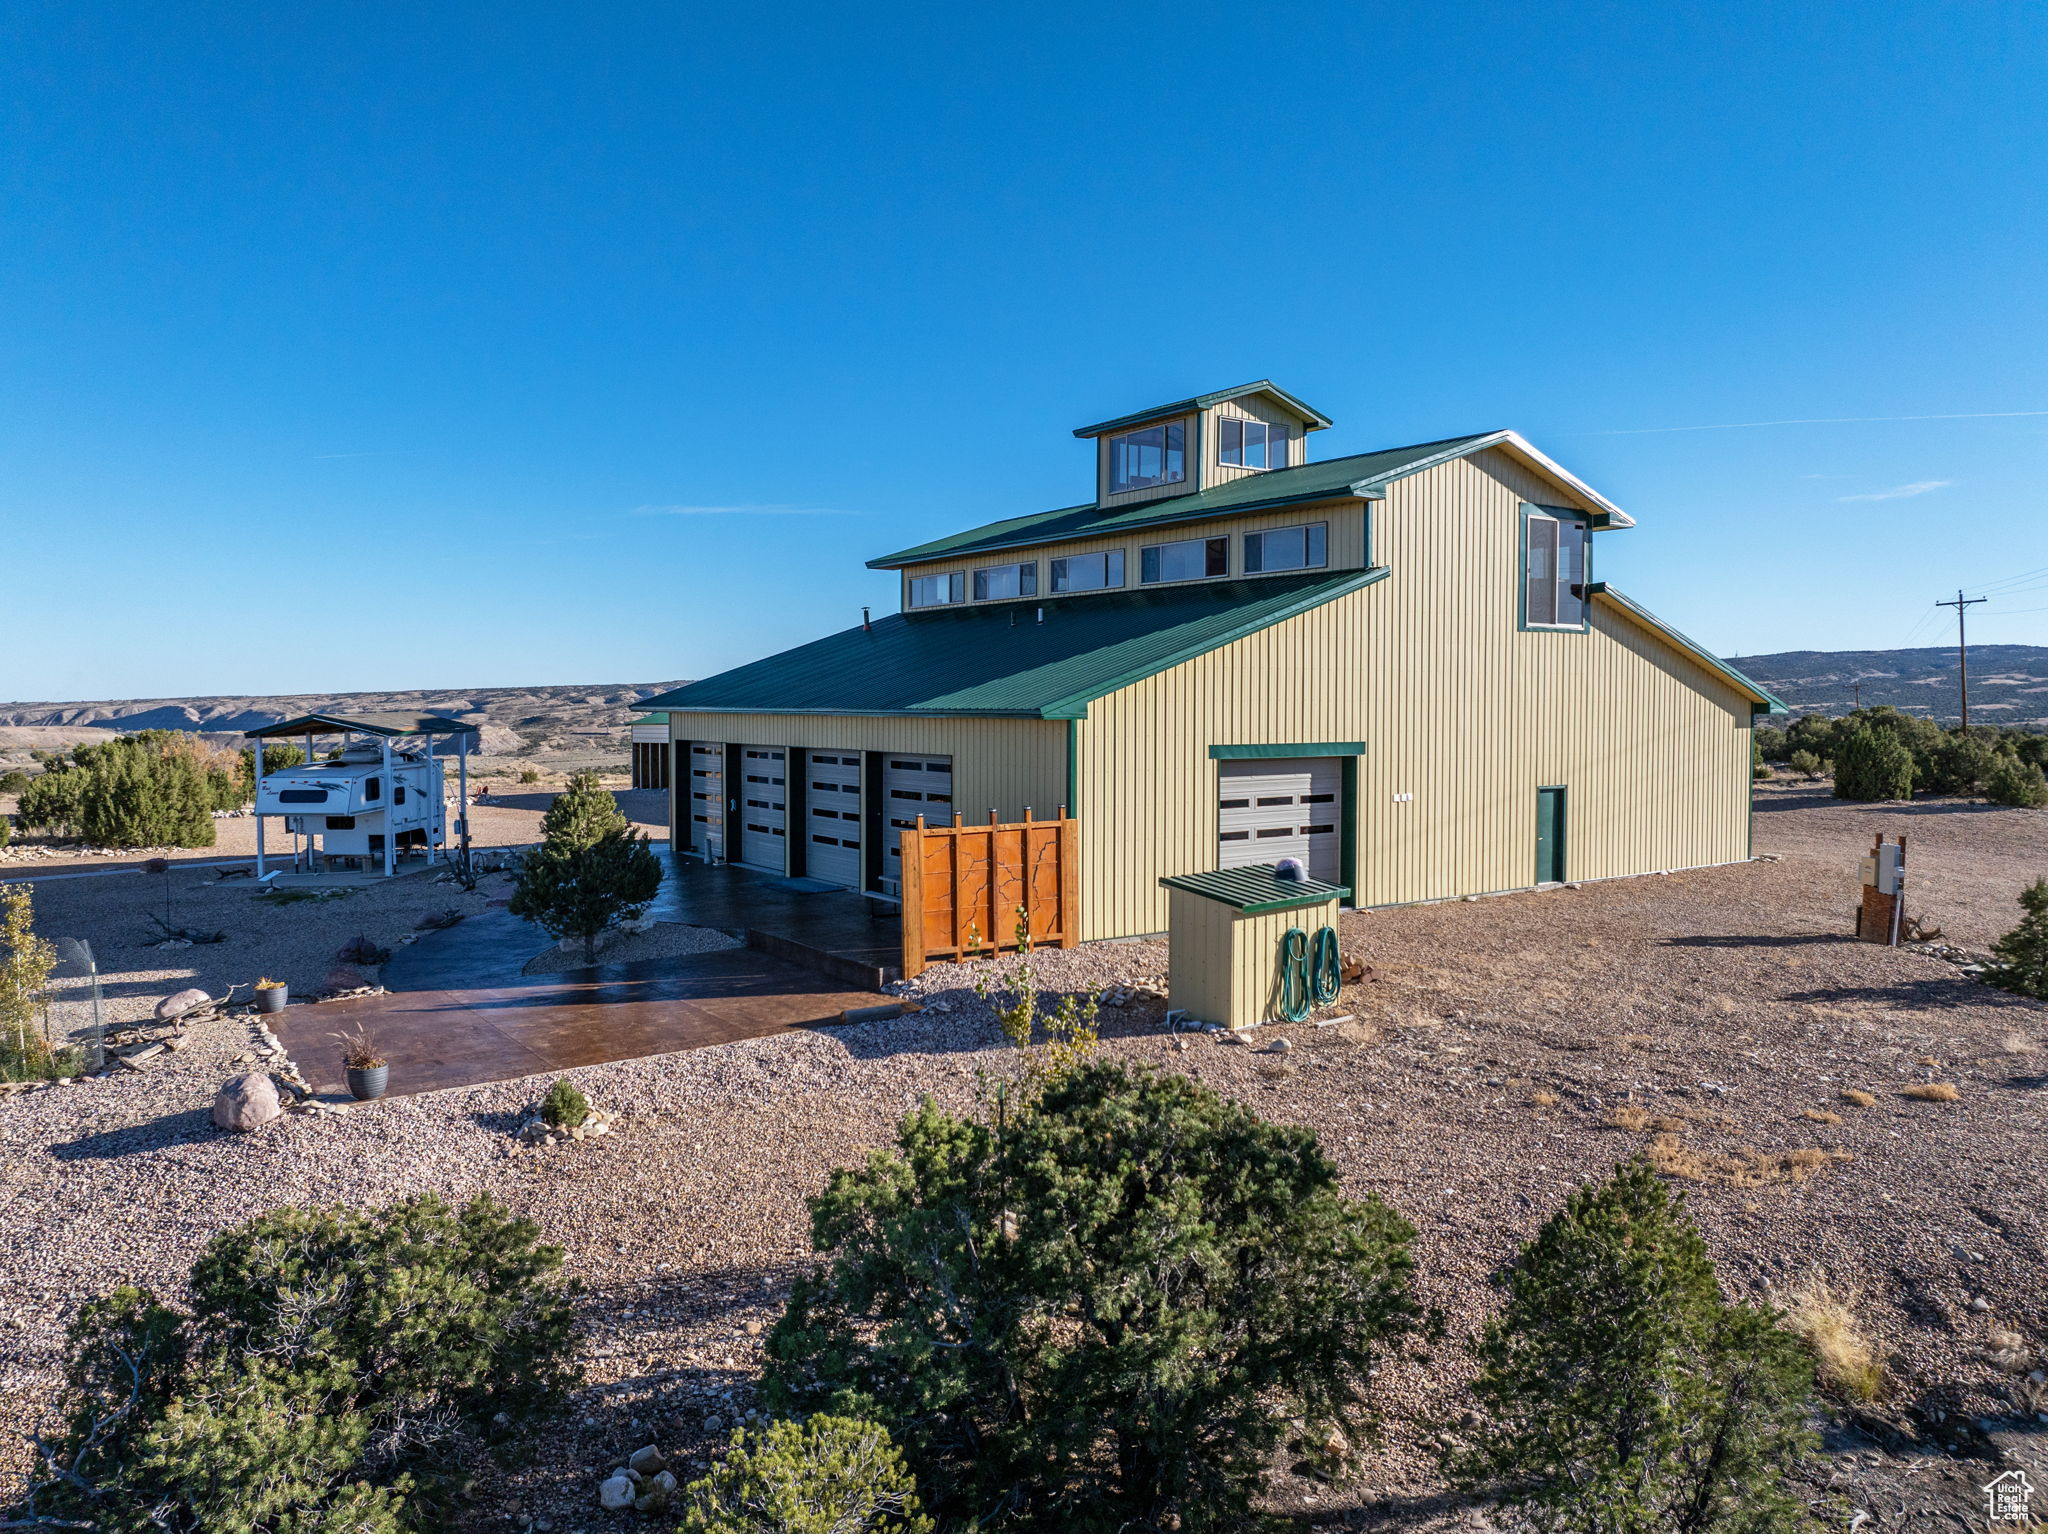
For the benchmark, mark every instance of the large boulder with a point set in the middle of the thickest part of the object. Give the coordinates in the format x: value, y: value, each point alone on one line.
x: 172, y: 1007
x: 617, y: 1493
x: 246, y: 1102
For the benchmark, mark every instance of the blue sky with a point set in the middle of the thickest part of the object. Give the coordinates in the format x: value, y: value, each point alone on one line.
x: 622, y: 334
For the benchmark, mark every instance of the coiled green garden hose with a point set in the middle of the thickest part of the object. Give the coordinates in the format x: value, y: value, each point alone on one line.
x: 1309, y: 972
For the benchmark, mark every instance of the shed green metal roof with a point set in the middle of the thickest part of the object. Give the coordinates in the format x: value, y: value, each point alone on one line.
x: 1328, y: 480
x: 1000, y: 659
x: 1256, y: 888
x: 364, y: 724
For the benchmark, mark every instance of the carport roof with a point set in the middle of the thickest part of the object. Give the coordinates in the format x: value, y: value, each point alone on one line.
x: 1011, y: 659
x: 365, y: 724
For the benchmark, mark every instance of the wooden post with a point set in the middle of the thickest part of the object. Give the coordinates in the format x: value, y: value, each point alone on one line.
x: 1070, y: 880
x: 911, y: 846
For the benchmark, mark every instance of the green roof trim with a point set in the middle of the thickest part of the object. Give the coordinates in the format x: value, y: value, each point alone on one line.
x: 363, y: 724
x: 1001, y: 659
x: 1255, y: 890
x: 1315, y: 418
x: 1265, y: 753
x: 1766, y: 702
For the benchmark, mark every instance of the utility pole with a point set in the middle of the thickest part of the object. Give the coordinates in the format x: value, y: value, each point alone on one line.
x: 1857, y: 688
x: 1962, y: 604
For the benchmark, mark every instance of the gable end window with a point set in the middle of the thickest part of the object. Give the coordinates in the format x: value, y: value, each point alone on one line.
x: 1089, y: 572
x: 1250, y: 444
x: 1287, y: 548
x: 1155, y: 455
x: 1000, y: 581
x: 1195, y: 559
x: 1556, y: 560
x: 938, y: 590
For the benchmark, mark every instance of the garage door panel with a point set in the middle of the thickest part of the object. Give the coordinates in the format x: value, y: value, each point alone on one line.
x: 832, y: 820
x: 763, y: 793
x: 1268, y: 810
x: 704, y: 798
x: 911, y: 786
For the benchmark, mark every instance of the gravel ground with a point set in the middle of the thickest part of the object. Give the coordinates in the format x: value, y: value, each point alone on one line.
x: 663, y: 940
x: 1472, y: 1088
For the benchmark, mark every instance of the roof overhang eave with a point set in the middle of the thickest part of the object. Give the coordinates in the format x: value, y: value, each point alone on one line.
x: 855, y: 713
x: 1609, y: 514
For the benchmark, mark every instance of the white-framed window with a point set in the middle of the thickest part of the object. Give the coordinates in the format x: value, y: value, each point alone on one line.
x: 1193, y: 559
x: 1287, y: 548
x: 1555, y: 550
x: 1089, y: 572
x: 938, y: 590
x: 1000, y: 581
x: 1250, y: 444
x: 1152, y: 455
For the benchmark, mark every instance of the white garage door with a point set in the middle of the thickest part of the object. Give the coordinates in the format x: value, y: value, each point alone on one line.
x: 911, y: 786
x: 704, y: 798
x: 1285, y: 808
x: 832, y: 824
x: 763, y: 792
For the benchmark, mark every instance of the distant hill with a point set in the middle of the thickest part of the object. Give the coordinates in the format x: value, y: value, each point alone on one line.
x: 512, y: 719
x: 2008, y: 682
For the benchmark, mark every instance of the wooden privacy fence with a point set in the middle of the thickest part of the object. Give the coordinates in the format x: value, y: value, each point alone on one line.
x: 962, y: 886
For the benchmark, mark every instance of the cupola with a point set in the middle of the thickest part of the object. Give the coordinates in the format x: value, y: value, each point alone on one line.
x: 1192, y: 444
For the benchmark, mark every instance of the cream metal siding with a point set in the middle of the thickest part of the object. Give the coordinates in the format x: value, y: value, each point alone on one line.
x: 1003, y: 765
x: 1346, y: 546
x: 1224, y: 966
x: 1456, y: 705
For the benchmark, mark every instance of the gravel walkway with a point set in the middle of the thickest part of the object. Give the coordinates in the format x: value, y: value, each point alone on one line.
x: 1475, y: 1084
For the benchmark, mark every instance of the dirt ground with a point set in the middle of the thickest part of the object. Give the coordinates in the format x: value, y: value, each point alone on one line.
x: 1476, y: 1084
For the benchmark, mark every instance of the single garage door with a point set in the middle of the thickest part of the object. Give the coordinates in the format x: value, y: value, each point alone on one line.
x: 1286, y: 808
x: 705, y: 801
x: 911, y: 786
x: 832, y: 824
x: 763, y: 792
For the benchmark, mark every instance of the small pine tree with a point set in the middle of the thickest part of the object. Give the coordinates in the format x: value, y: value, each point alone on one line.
x: 565, y: 1106
x: 1621, y: 1394
x: 582, y: 813
x: 580, y: 891
x: 2020, y: 958
x: 338, y: 1369
x: 14, y: 780
x: 26, y: 962
x: 2017, y: 784
x: 1805, y: 763
x: 1872, y: 765
x: 829, y: 1475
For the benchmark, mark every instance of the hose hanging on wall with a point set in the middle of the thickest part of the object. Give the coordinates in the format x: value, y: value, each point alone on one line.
x: 1309, y: 972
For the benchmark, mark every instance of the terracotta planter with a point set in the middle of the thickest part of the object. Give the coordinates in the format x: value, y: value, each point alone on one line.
x: 364, y: 1084
x: 272, y: 998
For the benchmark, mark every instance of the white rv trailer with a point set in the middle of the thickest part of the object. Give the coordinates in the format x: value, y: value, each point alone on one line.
x: 380, y: 801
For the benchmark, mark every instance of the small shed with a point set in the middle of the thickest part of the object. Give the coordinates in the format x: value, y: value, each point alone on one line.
x: 1226, y: 935
x: 376, y: 801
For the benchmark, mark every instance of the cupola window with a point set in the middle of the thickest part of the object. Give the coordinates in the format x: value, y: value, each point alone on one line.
x: 1154, y: 455
x: 1250, y: 444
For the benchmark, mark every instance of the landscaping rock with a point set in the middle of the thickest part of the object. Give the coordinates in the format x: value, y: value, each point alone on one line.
x: 617, y: 1493
x: 246, y: 1102
x: 178, y: 1005
x: 648, y: 1461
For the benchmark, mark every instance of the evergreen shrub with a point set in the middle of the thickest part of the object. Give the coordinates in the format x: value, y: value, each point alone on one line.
x: 829, y: 1475
x: 1873, y: 765
x: 2020, y: 958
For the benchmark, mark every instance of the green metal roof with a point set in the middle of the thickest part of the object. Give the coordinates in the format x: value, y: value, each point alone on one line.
x: 1766, y: 702
x: 1330, y: 479
x: 1000, y: 659
x: 1315, y: 418
x: 364, y: 724
x: 650, y: 719
x: 1255, y: 889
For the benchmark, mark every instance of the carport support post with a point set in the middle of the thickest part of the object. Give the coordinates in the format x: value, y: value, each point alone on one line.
x: 259, y: 806
x: 462, y: 794
x: 390, y: 819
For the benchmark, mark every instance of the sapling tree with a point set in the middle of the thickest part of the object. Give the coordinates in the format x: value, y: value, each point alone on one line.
x: 2020, y: 958
x: 1619, y: 1393
x: 576, y: 890
x: 828, y: 1475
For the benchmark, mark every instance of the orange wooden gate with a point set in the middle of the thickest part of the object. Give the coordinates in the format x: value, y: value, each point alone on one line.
x: 962, y: 886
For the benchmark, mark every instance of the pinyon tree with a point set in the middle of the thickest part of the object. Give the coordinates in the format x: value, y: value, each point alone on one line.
x: 1103, y: 1310
x: 2020, y: 958
x: 829, y: 1475
x: 1619, y: 1393
x: 1873, y: 765
x: 338, y: 1371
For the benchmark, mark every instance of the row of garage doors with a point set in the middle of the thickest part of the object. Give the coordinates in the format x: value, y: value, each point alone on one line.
x: 809, y: 811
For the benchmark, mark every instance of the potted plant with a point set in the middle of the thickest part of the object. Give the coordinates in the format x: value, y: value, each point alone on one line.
x: 271, y: 995
x: 368, y: 1071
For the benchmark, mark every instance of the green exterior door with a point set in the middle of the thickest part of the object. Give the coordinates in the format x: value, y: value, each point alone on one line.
x: 1550, y: 836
